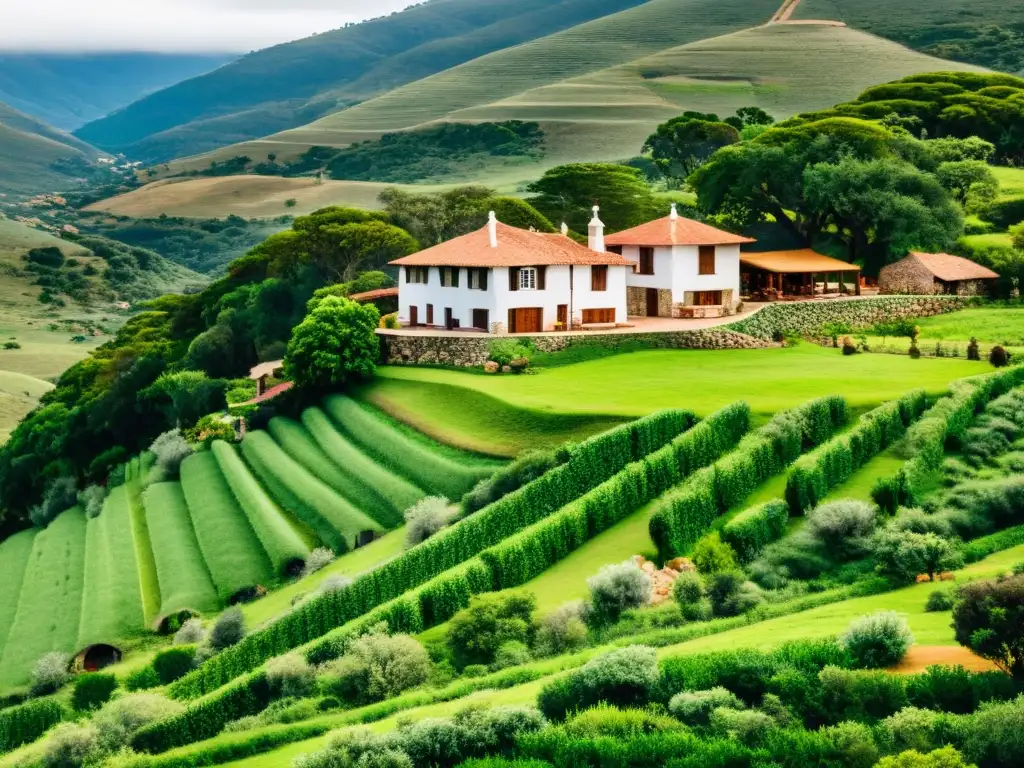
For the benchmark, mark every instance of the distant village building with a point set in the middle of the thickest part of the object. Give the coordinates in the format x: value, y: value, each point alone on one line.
x: 934, y: 273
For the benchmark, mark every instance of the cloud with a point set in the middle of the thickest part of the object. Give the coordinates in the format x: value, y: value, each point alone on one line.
x: 174, y: 25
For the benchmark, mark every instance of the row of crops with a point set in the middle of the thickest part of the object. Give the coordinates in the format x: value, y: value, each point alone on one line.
x: 239, y: 517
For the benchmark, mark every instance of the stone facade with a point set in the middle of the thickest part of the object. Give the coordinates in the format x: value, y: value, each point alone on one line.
x: 689, y: 309
x: 909, y: 276
x: 636, y: 302
x: 806, y: 317
x: 472, y: 351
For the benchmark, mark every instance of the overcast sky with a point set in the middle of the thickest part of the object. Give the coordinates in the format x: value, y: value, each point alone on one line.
x: 174, y: 25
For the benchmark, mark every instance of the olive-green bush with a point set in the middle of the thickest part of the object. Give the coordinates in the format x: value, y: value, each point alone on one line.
x: 755, y: 528
x: 27, y: 722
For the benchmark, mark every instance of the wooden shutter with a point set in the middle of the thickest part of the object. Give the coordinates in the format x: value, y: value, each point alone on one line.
x: 646, y: 261
x: 483, y: 279
x: 706, y: 260
x: 542, y: 273
x: 455, y: 277
x: 513, y: 278
x: 599, y: 278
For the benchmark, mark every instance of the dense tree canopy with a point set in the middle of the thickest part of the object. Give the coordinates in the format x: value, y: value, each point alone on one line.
x: 568, y: 192
x: 335, y: 345
x: 683, y: 144
x: 944, y: 104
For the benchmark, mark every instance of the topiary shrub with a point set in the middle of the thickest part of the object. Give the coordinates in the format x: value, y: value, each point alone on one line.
x: 877, y: 640
x: 562, y: 631
x: 624, y: 678
x: 688, y: 593
x: 475, y: 634
x: 141, y: 679
x: 731, y: 594
x: 843, y: 528
x: 174, y: 663
x: 228, y: 630
x: 191, y: 633
x: 695, y: 707
x: 999, y: 357
x: 617, y: 588
x: 93, y: 690
x: 290, y: 676
x: 712, y: 555
x: 170, y: 450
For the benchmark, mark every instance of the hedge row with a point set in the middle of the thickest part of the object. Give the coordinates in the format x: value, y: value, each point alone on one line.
x: 926, y: 440
x: 755, y: 528
x: 832, y: 464
x: 590, y: 464
x: 26, y: 723
x: 531, y: 552
x: 684, y: 515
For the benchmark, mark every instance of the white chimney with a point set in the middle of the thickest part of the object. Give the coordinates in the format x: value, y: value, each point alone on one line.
x: 492, y: 228
x: 595, y: 238
x: 565, y: 229
x: 675, y: 214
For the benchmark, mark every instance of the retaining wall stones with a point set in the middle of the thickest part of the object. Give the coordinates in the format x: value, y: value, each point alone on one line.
x: 805, y: 317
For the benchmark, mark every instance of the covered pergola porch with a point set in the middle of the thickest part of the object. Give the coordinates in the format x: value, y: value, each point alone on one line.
x: 792, y: 275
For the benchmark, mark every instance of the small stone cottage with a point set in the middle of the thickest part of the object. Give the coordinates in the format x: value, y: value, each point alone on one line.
x: 935, y: 273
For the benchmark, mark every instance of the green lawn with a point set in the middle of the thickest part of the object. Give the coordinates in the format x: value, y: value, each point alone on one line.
x: 14, y: 557
x: 1011, y: 180
x: 997, y: 325
x: 860, y: 483
x: 638, y: 383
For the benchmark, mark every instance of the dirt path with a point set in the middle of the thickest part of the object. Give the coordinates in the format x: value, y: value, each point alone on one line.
x: 785, y: 16
x: 920, y: 657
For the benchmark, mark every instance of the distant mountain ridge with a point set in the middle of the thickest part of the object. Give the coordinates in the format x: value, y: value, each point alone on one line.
x: 72, y: 89
x: 292, y: 84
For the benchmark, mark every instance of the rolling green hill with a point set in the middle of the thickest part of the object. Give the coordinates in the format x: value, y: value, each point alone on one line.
x: 69, y: 90
x: 291, y: 84
x: 28, y: 150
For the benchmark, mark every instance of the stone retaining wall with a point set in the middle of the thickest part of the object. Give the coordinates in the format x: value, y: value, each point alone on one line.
x: 421, y: 349
x: 805, y: 317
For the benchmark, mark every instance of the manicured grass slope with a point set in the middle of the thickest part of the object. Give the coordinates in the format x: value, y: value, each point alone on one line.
x: 14, y: 558
x: 185, y: 582
x: 233, y: 554
x: 112, y: 601
x: 641, y: 382
x: 50, y: 602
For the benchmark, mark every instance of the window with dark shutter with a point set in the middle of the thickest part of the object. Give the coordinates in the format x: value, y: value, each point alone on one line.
x: 542, y: 276
x: 513, y: 278
x: 614, y: 249
x: 599, y: 278
x: 646, y: 261
x: 706, y: 260
x: 483, y: 279
x: 455, y: 277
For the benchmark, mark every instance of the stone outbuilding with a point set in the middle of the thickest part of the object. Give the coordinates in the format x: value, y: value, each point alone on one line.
x: 935, y: 273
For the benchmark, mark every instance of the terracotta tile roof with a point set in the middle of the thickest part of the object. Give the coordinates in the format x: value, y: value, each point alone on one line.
x: 516, y: 248
x: 681, y: 232
x: 270, y: 394
x: 265, y: 369
x: 380, y: 293
x: 947, y: 267
x: 802, y: 260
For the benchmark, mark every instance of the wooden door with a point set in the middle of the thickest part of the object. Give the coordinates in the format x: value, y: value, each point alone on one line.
x: 414, y: 316
x: 652, y: 302
x: 449, y: 323
x: 599, y: 315
x: 526, y: 320
x: 481, y: 319
x: 707, y: 298
x: 430, y: 314
x: 563, y: 316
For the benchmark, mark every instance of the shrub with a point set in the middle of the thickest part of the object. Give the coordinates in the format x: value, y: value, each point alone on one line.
x: 50, y: 673
x: 27, y: 722
x: 988, y: 618
x: 191, y: 633
x: 843, y: 528
x: 993, y: 735
x: 173, y: 663
x: 939, y: 600
x: 624, y: 678
x: 335, y: 345
x: 998, y: 357
x: 946, y: 757
x: 525, y: 469
x: 376, y: 667
x: 617, y: 588
x: 91, y: 500
x: 712, y: 555
x: 333, y: 583
x: 695, y: 707
x: 290, y: 676
x: 863, y: 695
x: 748, y: 727
x: 910, y: 728
x: 60, y: 494
x: 141, y: 679
x: 877, y: 640
x: 71, y: 745
x: 425, y: 518
x: 904, y: 554
x: 93, y: 690
x: 755, y: 528
x: 121, y: 718
x: 504, y: 351
x: 170, y: 450
x: 853, y: 744
x: 490, y: 621
x: 228, y: 630
x: 318, y: 559
x: 731, y: 595
x: 562, y: 631
x: 511, y: 654
x: 688, y: 589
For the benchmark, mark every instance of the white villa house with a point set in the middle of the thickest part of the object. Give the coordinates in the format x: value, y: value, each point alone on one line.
x: 505, y: 279
x: 683, y: 268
